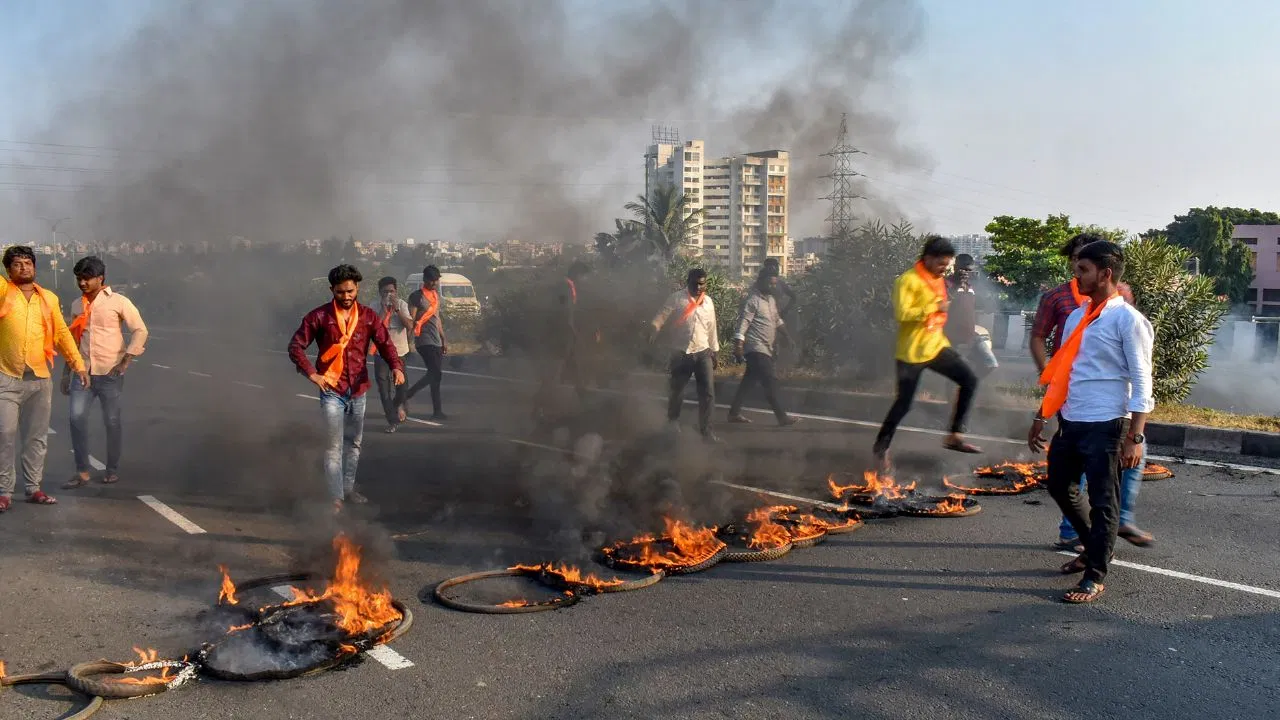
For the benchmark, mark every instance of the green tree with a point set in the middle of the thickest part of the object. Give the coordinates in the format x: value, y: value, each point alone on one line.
x: 625, y: 245
x: 668, y: 224
x: 1025, y: 261
x: 1206, y: 232
x: 846, y: 301
x: 1185, y: 311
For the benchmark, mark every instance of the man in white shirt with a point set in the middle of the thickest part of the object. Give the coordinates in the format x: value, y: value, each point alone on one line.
x: 1100, y: 387
x: 395, y: 316
x: 691, y: 318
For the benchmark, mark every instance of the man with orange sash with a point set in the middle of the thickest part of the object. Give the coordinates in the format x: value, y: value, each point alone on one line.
x: 428, y: 338
x: 31, y: 326
x: 690, y: 317
x: 920, y: 306
x: 342, y: 330
x: 1099, y: 386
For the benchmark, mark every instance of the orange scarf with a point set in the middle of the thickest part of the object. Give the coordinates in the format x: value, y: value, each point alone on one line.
x: 694, y: 304
x: 573, y: 291
x: 1057, y: 374
x: 80, y: 323
x: 1075, y: 292
x: 386, y: 322
x: 7, y: 305
x: 336, y: 354
x: 433, y: 304
x: 938, y: 318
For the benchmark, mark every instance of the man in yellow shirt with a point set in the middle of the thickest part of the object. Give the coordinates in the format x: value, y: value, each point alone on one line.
x: 920, y: 306
x: 31, y: 326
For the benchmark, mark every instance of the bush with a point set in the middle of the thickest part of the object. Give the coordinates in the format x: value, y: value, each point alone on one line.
x: 1185, y: 311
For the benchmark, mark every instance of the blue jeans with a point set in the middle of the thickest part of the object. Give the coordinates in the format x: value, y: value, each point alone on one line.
x: 105, y: 388
x: 1130, y: 484
x: 344, y: 427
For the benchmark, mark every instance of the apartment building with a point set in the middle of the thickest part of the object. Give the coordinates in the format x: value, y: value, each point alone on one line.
x: 1264, y: 242
x: 746, y: 199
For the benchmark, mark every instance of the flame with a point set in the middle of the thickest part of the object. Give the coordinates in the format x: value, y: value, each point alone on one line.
x: 238, y: 628
x: 880, y: 487
x: 1021, y: 476
x: 691, y: 546
x: 570, y: 575
x: 515, y: 603
x: 765, y: 533
x: 149, y: 655
x: 345, y: 649
x: 1153, y: 469
x: 144, y: 656
x: 952, y: 504
x: 228, y: 592
x: 1033, y: 470
x: 2, y: 669
x: 359, y: 609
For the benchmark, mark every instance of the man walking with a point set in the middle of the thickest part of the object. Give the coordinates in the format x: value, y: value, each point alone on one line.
x: 1046, y: 336
x: 920, y: 306
x: 395, y: 316
x: 562, y: 350
x: 428, y: 337
x: 755, y: 339
x: 31, y: 326
x: 1099, y: 386
x: 100, y: 319
x: 962, y: 320
x: 694, y: 344
x: 342, y: 330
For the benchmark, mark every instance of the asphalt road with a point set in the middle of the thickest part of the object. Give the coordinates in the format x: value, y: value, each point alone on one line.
x: 906, y: 618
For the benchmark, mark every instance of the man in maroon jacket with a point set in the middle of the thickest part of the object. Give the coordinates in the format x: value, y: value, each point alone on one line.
x: 342, y: 330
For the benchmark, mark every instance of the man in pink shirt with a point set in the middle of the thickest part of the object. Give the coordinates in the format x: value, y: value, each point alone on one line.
x: 100, y: 319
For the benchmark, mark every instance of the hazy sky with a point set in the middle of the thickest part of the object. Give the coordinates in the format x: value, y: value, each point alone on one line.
x: 1118, y: 113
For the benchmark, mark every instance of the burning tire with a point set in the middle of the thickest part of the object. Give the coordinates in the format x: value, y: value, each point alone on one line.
x: 621, y: 561
x: 940, y: 507
x: 91, y: 678
x: 1156, y: 472
x: 837, y: 522
x: 568, y: 578
x: 738, y: 552
x: 999, y: 486
x: 508, y: 608
x: 805, y: 531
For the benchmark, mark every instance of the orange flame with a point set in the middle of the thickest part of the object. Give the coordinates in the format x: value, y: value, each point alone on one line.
x: 1020, y: 476
x: 515, y: 603
x: 149, y: 655
x: 359, y: 609
x: 238, y: 628
x: 228, y: 592
x: 691, y: 546
x: 144, y: 656
x: 881, y: 487
x: 570, y: 575
x: 2, y: 669
x: 765, y: 533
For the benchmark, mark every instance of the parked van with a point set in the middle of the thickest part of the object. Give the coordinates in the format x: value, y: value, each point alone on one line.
x: 456, y: 290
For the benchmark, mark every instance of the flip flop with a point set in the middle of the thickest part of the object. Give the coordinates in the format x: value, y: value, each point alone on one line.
x: 75, y: 482
x: 1078, y: 564
x: 1135, y: 536
x: 1085, y: 593
x: 39, y: 497
x: 110, y: 479
x: 5, y: 502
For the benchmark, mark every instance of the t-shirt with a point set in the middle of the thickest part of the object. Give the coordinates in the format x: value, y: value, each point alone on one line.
x: 433, y: 331
x: 962, y: 315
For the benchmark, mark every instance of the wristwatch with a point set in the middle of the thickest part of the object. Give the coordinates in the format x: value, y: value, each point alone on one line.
x: 1138, y: 438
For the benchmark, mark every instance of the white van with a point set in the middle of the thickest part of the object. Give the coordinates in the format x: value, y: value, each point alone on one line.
x: 456, y: 290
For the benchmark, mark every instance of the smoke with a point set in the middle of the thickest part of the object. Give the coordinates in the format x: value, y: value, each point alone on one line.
x: 284, y: 120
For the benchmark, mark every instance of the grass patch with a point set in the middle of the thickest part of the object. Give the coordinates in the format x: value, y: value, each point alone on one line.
x: 1192, y: 415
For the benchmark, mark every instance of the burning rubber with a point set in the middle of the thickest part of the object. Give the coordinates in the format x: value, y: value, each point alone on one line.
x: 509, y: 607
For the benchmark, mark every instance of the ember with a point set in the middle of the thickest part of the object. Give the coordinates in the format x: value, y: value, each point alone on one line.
x: 1, y: 669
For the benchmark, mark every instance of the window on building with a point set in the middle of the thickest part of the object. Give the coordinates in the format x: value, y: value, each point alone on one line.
x: 1271, y: 296
x: 1270, y: 311
x: 1253, y: 261
x: 1248, y: 241
x: 1251, y: 295
x: 1278, y: 262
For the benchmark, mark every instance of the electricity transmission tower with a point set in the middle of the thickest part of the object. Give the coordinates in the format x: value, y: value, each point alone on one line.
x: 842, y: 173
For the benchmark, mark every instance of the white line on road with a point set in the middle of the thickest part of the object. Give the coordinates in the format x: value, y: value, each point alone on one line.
x: 540, y: 446
x: 423, y: 422
x: 52, y: 431
x: 304, y: 396
x: 784, y: 496
x: 1189, y: 576
x: 198, y: 374
x: 171, y: 515
x: 95, y: 463
x: 389, y: 658
x: 248, y: 384
x: 162, y: 367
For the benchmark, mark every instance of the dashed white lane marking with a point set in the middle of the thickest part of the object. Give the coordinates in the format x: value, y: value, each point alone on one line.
x: 248, y: 384
x: 52, y: 431
x: 304, y: 396
x: 171, y: 515
x: 1216, y: 464
x: 162, y: 367
x: 1189, y: 576
x: 199, y: 374
x: 389, y: 658
x: 540, y: 446
x: 784, y: 496
x: 95, y: 463
x: 424, y: 422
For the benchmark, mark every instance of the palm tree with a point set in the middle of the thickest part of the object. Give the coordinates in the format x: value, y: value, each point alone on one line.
x: 624, y: 243
x: 668, y: 224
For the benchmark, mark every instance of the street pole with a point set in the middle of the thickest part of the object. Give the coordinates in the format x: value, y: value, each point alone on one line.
x: 53, y: 232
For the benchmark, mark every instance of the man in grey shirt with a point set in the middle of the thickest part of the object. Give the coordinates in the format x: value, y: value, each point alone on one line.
x: 394, y: 314
x: 428, y: 337
x: 755, y: 336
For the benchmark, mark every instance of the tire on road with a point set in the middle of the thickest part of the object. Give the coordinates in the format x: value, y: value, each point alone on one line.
x: 565, y: 600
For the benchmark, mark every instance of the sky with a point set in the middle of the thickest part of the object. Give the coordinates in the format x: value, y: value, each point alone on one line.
x: 1121, y: 114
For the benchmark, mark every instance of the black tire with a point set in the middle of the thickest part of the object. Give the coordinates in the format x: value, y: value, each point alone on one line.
x: 562, y: 601
x: 742, y: 554
x: 88, y: 679
x: 997, y: 488
x: 971, y: 508
x: 837, y: 522
x: 1157, y: 473
x: 556, y: 583
x: 799, y: 542
x: 54, y: 678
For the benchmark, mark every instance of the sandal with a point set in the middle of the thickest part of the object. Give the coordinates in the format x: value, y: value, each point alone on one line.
x: 1136, y: 536
x: 1073, y: 545
x: 39, y: 497
x: 1086, y: 592
x: 110, y: 479
x: 5, y: 502
x: 961, y: 446
x: 76, y: 481
x: 1077, y: 564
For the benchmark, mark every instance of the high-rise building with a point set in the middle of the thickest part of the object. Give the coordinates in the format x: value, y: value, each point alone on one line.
x: 979, y: 246
x: 745, y: 199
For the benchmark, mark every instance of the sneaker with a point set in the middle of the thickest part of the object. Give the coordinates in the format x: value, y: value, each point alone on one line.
x: 390, y: 429
x: 356, y: 497
x: 739, y: 419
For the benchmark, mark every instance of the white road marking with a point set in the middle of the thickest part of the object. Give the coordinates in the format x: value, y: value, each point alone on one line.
x: 248, y: 384
x: 52, y: 431
x: 198, y: 374
x: 389, y: 658
x: 1189, y: 576
x: 171, y: 515
x: 1215, y: 464
x: 540, y: 446
x: 784, y: 496
x: 95, y: 463
x: 423, y: 422
x: 162, y: 367
x: 308, y: 397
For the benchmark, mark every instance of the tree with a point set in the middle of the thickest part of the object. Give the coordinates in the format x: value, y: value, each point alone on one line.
x: 1025, y: 261
x: 846, y: 301
x: 1185, y: 311
x: 624, y: 245
x: 667, y: 223
x: 1206, y: 233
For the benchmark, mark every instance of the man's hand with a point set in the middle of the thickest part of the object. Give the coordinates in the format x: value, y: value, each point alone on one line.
x: 444, y: 349
x: 84, y: 378
x: 397, y: 377
x: 943, y: 305
x: 1035, y: 436
x: 1130, y: 454
x: 715, y: 361
x: 66, y: 382
x: 122, y: 366
x: 323, y: 384
x: 739, y: 356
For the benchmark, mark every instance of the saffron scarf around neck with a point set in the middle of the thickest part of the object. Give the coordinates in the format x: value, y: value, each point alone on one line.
x: 573, y: 290
x: 80, y: 323
x: 694, y: 304
x: 337, y: 352
x: 1057, y: 374
x: 938, y: 286
x: 433, y: 305
x: 1076, y: 294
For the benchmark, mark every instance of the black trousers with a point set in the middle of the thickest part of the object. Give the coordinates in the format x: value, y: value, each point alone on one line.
x: 948, y: 364
x: 699, y: 366
x: 554, y: 371
x: 1092, y: 448
x: 392, y: 396
x: 433, y: 358
x: 760, y: 369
